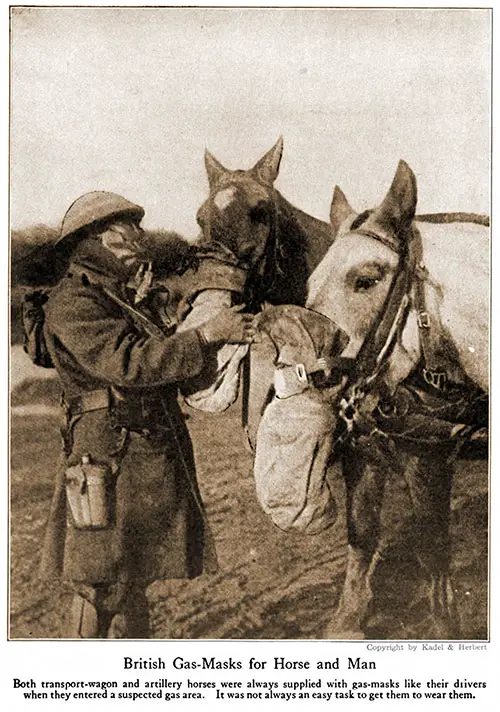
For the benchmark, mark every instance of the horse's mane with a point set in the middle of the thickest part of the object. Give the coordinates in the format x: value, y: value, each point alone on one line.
x: 317, y: 234
x: 34, y: 261
x: 286, y: 269
x: 300, y: 243
x: 169, y: 251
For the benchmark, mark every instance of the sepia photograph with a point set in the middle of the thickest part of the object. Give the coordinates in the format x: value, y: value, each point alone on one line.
x: 249, y: 323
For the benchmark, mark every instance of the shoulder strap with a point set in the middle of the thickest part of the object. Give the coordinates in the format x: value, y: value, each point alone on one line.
x: 245, y: 397
x: 149, y: 327
x: 33, y: 320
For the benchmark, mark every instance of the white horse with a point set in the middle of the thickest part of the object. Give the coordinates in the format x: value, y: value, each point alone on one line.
x: 351, y: 283
x: 413, y: 298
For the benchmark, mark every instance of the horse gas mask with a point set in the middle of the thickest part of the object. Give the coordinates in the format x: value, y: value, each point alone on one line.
x: 295, y: 435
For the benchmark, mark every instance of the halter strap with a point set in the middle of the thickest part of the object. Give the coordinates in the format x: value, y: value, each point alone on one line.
x: 379, y: 343
x: 391, y: 243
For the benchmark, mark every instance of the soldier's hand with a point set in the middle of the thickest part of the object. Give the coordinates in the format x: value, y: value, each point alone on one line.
x: 228, y: 326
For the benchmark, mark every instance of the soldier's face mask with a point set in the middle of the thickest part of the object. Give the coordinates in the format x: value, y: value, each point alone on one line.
x: 125, y: 240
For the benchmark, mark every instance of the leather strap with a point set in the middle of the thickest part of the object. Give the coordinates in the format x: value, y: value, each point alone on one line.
x: 149, y: 327
x: 380, y: 340
x: 245, y: 396
x: 100, y: 399
x: 434, y: 373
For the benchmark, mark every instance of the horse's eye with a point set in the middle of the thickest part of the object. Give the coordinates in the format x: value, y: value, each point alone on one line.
x: 259, y: 214
x: 363, y: 284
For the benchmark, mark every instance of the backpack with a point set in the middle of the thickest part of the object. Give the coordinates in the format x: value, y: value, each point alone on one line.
x: 33, y: 319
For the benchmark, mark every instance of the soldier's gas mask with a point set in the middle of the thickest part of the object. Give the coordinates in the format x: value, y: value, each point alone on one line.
x: 125, y: 239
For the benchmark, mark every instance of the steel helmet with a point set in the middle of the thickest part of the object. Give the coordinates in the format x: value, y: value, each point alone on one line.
x: 95, y: 207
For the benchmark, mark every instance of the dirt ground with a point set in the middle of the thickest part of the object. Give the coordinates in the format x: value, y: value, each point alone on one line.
x: 271, y: 585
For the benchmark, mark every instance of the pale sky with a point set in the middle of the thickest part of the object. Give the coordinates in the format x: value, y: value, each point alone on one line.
x: 127, y: 100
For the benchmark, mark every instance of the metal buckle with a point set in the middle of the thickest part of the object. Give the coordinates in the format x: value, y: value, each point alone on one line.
x: 301, y: 372
x: 436, y: 379
x: 423, y: 320
x: 348, y: 412
x: 349, y: 407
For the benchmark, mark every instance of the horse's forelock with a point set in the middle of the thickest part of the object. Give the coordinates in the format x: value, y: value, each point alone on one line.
x: 290, y: 244
x: 360, y: 219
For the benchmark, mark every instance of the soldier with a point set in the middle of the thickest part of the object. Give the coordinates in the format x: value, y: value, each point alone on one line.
x: 126, y: 508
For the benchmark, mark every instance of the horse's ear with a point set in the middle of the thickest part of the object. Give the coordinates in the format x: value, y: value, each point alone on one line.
x: 215, y: 170
x: 339, y: 209
x: 268, y: 167
x: 398, y: 207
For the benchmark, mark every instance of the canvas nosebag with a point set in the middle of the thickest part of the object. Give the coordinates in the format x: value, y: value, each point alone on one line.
x: 294, y: 442
x: 216, y: 387
x: 295, y: 435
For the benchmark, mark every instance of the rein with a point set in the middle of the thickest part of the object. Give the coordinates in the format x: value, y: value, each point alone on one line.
x: 412, y: 273
x: 380, y: 341
x: 446, y: 218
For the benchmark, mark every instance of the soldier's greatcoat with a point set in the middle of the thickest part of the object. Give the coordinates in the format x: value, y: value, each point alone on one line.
x: 104, y: 356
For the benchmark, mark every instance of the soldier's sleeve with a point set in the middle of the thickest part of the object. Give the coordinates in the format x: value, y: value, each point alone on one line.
x: 99, y: 337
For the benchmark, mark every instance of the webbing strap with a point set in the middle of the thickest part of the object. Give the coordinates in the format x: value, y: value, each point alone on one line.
x: 148, y: 326
x: 245, y: 396
x: 99, y: 399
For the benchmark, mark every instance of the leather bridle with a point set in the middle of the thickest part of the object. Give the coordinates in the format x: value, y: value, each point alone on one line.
x: 373, y: 357
x: 364, y: 373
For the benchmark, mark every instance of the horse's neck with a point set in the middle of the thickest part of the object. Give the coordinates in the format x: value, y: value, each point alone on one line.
x: 456, y: 258
x: 317, y: 234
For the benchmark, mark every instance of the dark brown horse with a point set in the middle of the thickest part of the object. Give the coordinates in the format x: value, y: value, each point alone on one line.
x: 278, y: 244
x: 247, y: 223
